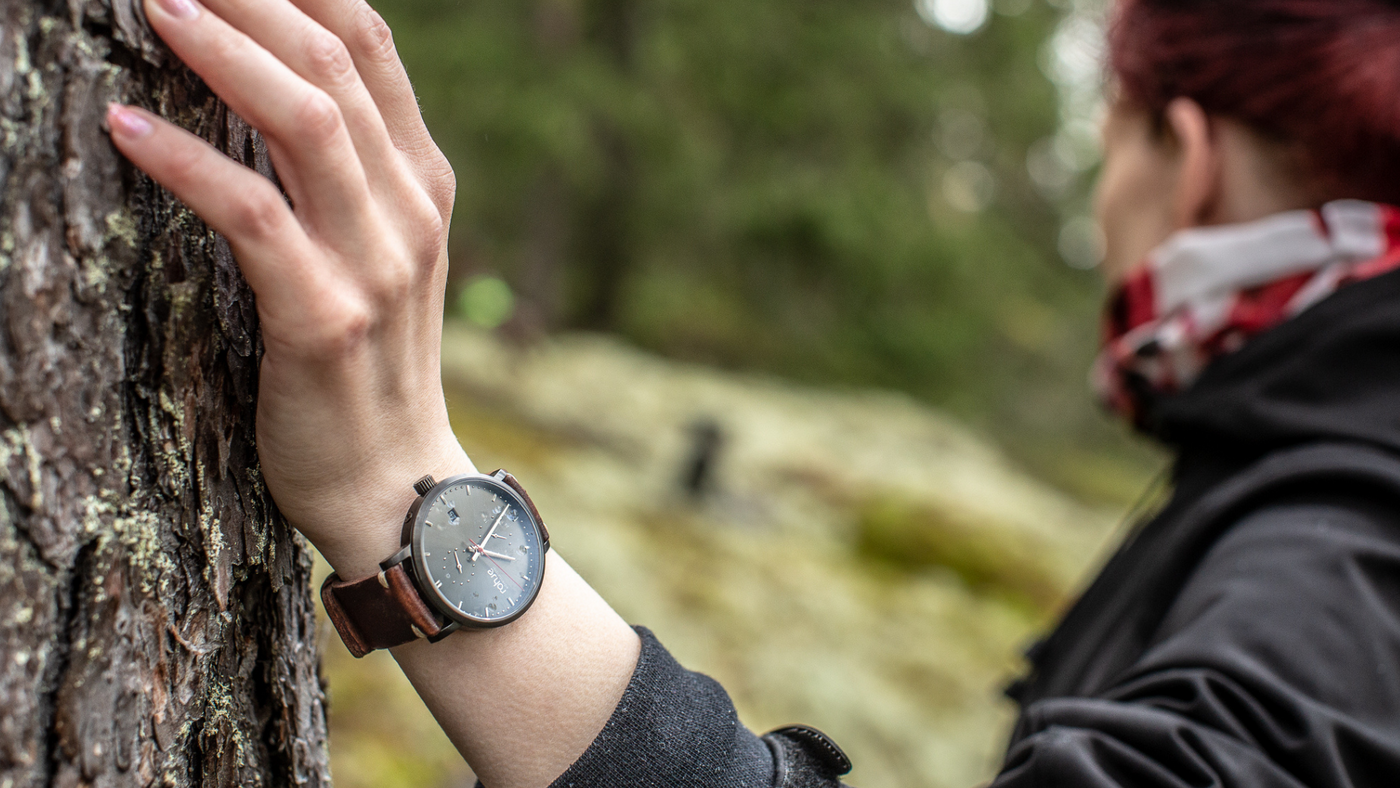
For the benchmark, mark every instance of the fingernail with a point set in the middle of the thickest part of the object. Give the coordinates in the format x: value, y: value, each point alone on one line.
x: 127, y: 123
x: 180, y: 9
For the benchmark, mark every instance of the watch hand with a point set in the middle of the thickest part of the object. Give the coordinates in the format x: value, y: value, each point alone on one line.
x: 490, y: 554
x: 458, y: 559
x: 494, y: 525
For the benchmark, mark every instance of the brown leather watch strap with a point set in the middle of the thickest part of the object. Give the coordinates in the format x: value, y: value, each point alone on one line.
x: 380, y: 611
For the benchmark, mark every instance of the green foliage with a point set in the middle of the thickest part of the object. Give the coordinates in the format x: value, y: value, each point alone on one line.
x: 832, y: 190
x: 486, y: 301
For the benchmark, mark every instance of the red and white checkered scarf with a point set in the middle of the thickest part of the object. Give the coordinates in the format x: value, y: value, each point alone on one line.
x: 1207, y: 291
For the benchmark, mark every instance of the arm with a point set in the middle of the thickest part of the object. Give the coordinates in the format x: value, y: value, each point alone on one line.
x: 1279, y: 665
x: 675, y: 727
x: 350, y: 294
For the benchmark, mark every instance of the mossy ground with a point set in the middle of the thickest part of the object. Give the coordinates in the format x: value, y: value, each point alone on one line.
x: 860, y: 563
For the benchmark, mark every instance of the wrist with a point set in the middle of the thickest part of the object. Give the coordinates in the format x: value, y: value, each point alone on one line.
x: 368, y: 527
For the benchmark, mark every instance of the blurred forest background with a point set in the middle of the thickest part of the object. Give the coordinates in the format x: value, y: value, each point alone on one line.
x: 842, y: 194
x: 857, y: 192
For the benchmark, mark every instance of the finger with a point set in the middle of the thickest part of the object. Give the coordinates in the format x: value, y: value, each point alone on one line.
x: 300, y: 121
x: 245, y: 207
x: 320, y: 57
x: 371, y: 46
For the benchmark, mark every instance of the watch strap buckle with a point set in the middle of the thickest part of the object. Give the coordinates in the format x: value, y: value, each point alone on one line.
x: 380, y: 611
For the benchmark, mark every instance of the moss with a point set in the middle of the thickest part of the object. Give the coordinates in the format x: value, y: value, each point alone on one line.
x: 222, y: 715
x: 36, y: 87
x: 87, y: 45
x: 122, y: 231
x: 22, y: 64
x: 121, y: 226
x: 988, y: 559
x: 498, y: 439
x: 9, y: 141
x: 173, y: 455
x: 138, y: 532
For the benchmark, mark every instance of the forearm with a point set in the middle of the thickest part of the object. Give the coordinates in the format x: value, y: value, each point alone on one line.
x: 521, y: 702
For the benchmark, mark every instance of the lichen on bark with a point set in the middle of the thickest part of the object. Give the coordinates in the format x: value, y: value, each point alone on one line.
x: 156, y: 623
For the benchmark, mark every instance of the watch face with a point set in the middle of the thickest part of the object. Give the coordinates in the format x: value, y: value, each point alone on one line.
x: 478, y: 550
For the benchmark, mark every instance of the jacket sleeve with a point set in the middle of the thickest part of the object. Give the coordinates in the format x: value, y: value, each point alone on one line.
x: 1278, y: 665
x: 677, y: 729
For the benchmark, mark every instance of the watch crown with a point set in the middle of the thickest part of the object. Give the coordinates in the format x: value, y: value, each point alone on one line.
x: 423, y: 485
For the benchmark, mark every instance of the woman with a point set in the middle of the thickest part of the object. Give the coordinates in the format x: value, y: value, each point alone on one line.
x: 1247, y: 635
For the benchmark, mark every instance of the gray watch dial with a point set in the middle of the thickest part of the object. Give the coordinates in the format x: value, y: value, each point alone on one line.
x: 478, y: 551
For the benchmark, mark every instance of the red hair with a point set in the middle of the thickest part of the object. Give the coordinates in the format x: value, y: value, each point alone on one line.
x: 1321, y: 74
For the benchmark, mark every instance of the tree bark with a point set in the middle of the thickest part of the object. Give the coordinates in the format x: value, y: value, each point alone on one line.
x: 156, y: 618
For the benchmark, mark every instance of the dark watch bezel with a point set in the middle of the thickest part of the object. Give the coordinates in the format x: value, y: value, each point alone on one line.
x: 412, y: 556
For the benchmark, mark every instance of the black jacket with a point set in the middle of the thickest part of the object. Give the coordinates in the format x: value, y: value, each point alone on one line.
x: 1248, y: 635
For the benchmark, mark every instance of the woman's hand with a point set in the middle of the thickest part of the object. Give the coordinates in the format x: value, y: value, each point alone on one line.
x: 350, y: 406
x: 349, y: 278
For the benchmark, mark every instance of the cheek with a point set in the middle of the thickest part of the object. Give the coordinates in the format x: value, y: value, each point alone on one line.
x: 1108, y: 202
x: 1132, y: 206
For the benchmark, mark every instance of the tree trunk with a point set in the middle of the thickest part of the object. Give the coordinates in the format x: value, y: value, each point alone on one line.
x: 156, y: 620
x: 606, y: 243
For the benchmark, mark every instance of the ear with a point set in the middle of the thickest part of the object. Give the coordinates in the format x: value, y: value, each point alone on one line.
x: 1198, y: 184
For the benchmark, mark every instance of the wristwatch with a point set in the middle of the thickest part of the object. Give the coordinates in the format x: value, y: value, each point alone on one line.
x: 473, y: 556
